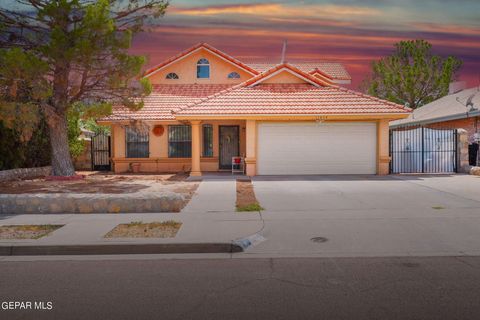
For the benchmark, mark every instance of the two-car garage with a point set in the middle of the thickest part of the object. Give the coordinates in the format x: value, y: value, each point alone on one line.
x: 316, y: 148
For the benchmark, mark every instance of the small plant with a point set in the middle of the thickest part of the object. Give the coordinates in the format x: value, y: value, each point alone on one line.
x: 134, y: 224
x: 250, y: 207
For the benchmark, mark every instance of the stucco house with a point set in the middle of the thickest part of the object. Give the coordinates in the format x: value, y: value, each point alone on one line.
x: 459, y: 109
x: 283, y: 118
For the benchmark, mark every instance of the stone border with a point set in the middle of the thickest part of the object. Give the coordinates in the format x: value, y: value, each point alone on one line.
x: 25, y: 173
x: 463, y: 165
x: 90, y: 203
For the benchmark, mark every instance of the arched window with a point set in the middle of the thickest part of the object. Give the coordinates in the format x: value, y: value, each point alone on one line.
x: 233, y: 75
x: 203, y: 69
x: 172, y: 75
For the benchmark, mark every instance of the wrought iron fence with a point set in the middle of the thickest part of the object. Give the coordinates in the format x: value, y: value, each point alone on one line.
x: 423, y: 150
x: 100, y: 149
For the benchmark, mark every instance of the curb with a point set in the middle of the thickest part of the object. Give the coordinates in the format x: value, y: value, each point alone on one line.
x: 106, y: 249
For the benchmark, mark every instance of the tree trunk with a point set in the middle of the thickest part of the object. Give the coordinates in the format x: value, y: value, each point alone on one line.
x: 61, y: 161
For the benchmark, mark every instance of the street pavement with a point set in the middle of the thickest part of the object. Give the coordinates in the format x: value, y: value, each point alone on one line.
x: 309, y: 288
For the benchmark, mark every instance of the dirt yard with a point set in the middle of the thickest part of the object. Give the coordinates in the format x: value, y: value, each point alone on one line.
x: 104, y: 183
x: 27, y: 231
x: 167, y: 229
x: 246, y: 200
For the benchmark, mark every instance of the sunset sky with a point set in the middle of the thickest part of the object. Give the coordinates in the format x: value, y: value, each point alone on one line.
x: 349, y: 31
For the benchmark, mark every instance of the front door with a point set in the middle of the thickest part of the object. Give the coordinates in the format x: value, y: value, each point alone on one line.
x: 229, y: 145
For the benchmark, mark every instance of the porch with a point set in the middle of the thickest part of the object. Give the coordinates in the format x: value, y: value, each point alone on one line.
x: 184, y: 146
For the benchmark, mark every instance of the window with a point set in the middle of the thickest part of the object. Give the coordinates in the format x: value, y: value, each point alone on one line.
x: 233, y: 75
x: 137, y: 143
x: 207, y: 140
x: 203, y: 69
x: 172, y: 76
x: 179, y: 141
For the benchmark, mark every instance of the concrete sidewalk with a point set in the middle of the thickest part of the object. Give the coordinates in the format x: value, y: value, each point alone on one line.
x: 90, y: 229
x: 214, y: 195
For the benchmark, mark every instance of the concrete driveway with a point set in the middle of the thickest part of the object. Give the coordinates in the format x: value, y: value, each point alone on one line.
x: 369, y: 216
x: 367, y: 192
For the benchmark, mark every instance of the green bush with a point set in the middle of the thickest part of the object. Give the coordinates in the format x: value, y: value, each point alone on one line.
x: 15, y: 153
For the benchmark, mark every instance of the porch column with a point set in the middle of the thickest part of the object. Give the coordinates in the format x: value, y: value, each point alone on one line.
x: 383, y: 140
x: 251, y: 147
x: 196, y: 171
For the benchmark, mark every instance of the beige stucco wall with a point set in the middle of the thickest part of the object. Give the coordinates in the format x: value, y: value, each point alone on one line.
x: 284, y: 77
x: 158, y: 147
x: 383, y: 152
x: 186, y: 69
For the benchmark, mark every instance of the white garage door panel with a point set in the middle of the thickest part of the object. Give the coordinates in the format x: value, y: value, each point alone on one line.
x: 311, y: 148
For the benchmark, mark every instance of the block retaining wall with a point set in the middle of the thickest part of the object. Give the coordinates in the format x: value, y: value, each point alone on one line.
x: 25, y: 173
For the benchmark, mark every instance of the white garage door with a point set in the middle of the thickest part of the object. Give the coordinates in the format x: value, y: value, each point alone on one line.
x: 316, y: 148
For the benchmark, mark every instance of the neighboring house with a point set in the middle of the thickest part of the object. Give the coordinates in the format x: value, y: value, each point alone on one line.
x: 287, y: 118
x: 450, y: 112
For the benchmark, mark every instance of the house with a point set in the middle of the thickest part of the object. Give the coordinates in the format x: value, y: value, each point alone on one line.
x: 459, y: 109
x: 283, y: 118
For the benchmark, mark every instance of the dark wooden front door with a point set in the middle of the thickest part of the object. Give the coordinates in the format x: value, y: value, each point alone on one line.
x: 229, y: 145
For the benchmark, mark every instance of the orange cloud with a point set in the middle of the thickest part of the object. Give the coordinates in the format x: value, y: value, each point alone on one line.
x: 279, y: 10
x: 337, y: 40
x: 448, y: 28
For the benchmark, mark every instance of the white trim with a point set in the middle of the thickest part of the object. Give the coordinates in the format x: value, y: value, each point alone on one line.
x: 199, y: 48
x: 289, y: 71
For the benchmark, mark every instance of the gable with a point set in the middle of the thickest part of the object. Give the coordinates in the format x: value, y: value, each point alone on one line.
x: 284, y: 77
x: 286, y: 74
x: 186, y: 69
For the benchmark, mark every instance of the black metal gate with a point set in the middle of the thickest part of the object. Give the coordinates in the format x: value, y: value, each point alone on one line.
x: 423, y: 150
x: 101, y: 152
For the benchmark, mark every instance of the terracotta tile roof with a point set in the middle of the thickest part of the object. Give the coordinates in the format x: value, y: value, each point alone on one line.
x: 165, y: 99
x: 334, y: 70
x: 318, y: 97
x: 208, y: 47
x: 291, y: 99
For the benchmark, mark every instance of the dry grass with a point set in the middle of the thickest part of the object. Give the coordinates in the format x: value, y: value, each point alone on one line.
x: 246, y: 200
x: 138, y: 229
x: 102, y: 183
x: 27, y: 231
